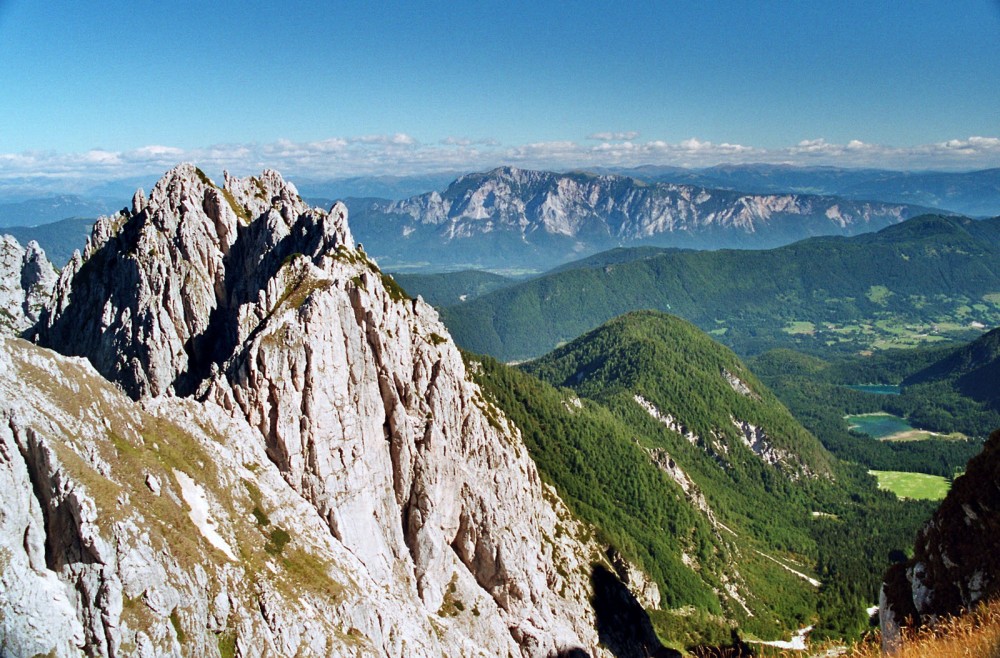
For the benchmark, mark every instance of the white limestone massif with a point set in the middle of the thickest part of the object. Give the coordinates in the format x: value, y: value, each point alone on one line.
x: 515, y: 217
x: 245, y: 439
x: 573, y: 204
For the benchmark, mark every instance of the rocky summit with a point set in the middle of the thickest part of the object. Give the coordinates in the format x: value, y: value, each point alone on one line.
x: 230, y: 434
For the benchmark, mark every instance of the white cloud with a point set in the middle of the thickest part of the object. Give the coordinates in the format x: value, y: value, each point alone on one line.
x: 614, y: 136
x: 467, y: 141
x: 401, y: 153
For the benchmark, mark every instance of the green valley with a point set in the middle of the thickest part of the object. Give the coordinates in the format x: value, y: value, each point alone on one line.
x: 931, y: 279
x: 688, y: 464
x: 693, y: 470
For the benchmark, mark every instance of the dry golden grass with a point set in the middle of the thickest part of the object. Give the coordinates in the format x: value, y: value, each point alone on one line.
x: 973, y: 635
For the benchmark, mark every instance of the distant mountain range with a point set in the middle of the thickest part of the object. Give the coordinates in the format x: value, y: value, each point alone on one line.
x: 515, y: 220
x: 512, y: 218
x: 975, y: 193
x: 919, y: 271
x: 45, y: 210
x: 58, y: 239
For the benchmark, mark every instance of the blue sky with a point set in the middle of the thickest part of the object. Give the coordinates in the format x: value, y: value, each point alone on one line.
x: 317, y: 88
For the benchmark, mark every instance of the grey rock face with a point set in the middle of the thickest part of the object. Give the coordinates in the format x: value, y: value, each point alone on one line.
x: 538, y: 218
x: 574, y: 204
x: 257, y: 340
x: 26, y: 283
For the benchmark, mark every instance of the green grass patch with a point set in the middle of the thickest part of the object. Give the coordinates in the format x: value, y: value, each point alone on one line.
x: 203, y: 177
x: 277, y: 541
x: 918, y: 486
x: 800, y: 328
x: 878, y: 295
x: 239, y: 209
x: 175, y: 621
x: 227, y: 644
x: 395, y: 290
x: 262, y: 518
x: 309, y: 572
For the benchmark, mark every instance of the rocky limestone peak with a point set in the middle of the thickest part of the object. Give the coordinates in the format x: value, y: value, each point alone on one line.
x: 140, y: 300
x: 27, y: 280
x: 245, y: 300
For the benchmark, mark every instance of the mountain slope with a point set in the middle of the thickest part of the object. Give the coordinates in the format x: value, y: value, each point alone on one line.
x: 973, y: 371
x: 676, y: 367
x: 453, y: 287
x: 513, y: 218
x: 59, y: 239
x: 44, y: 210
x: 960, y: 390
x: 975, y: 193
x: 912, y: 272
x: 257, y: 343
x: 691, y: 468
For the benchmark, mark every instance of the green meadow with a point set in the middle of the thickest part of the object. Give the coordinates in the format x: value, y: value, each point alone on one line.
x: 918, y: 486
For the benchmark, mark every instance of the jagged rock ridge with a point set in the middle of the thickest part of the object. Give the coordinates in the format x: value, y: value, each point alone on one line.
x: 256, y: 325
x: 518, y: 216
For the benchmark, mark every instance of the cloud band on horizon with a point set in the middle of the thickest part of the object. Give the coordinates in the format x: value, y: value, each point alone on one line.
x: 402, y: 154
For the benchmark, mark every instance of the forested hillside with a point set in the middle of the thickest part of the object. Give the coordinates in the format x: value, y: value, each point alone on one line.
x: 818, y: 394
x: 971, y: 372
x: 693, y: 470
x: 926, y: 279
x: 452, y: 287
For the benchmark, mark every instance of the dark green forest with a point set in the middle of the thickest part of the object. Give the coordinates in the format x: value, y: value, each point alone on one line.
x: 452, y: 287
x: 923, y: 280
x: 579, y: 418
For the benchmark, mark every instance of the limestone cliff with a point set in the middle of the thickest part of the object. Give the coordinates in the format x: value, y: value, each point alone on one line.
x: 303, y: 466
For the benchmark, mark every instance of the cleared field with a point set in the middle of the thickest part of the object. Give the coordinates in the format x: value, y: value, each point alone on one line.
x: 913, y: 485
x: 801, y: 328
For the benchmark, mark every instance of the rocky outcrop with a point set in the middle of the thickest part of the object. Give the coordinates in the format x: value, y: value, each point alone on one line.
x: 280, y: 382
x: 955, y: 563
x: 26, y: 283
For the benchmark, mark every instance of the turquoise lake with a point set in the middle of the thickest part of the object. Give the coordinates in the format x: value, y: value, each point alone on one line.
x: 878, y: 426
